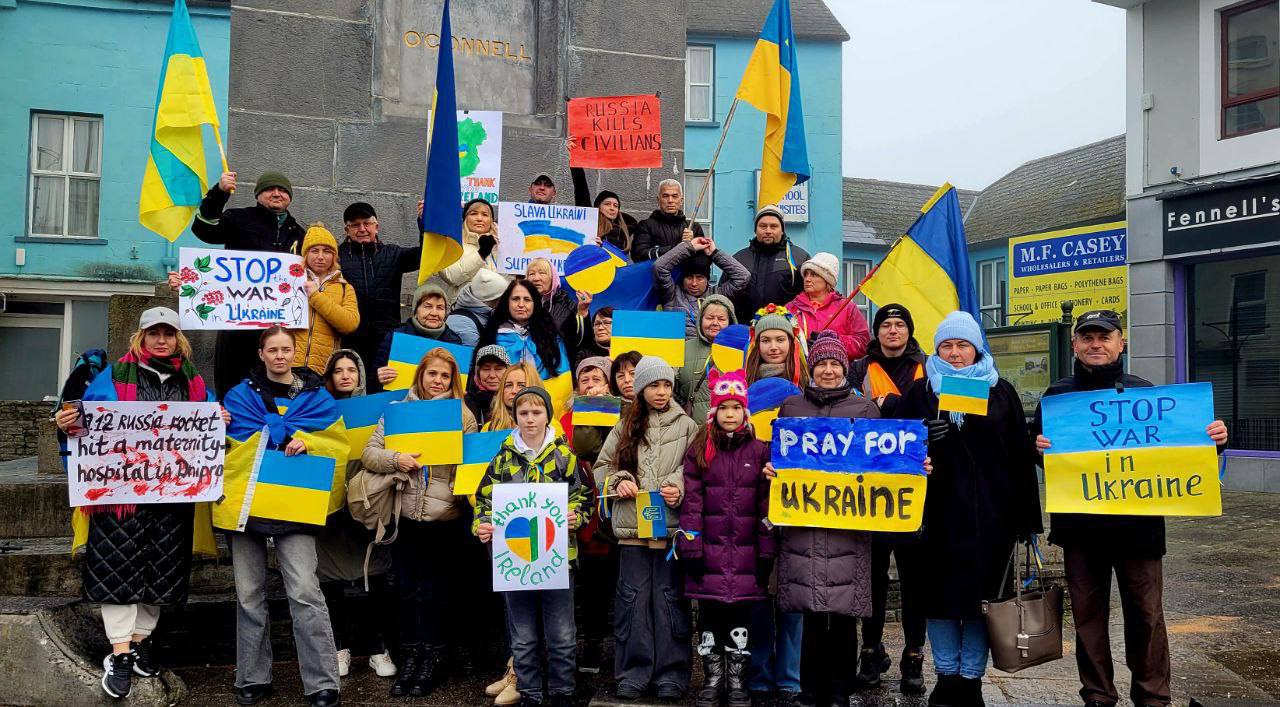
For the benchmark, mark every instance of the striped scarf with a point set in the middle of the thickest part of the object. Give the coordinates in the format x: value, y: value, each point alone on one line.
x: 124, y: 375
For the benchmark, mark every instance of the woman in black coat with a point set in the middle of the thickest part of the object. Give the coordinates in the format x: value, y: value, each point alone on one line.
x: 982, y: 497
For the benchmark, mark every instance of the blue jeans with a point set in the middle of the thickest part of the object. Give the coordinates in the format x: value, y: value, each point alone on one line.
x: 775, y: 648
x: 959, y: 647
x: 558, y: 637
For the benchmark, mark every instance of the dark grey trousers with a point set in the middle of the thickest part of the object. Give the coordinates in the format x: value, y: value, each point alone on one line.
x: 651, y: 621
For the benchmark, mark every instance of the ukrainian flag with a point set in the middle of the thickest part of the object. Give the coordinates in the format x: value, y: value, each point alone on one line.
x: 658, y: 334
x: 596, y: 410
x: 442, y: 195
x: 764, y: 397
x: 407, y: 351
x: 927, y: 270
x: 651, y: 515
x: 295, y: 488
x: 360, y: 416
x: 478, y: 449
x: 174, y: 181
x: 590, y: 268
x: 431, y: 428
x: 967, y: 395
x: 771, y: 83
x: 729, y: 348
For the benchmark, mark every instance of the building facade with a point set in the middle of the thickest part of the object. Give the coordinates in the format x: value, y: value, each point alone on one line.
x: 1202, y: 181
x: 75, y: 127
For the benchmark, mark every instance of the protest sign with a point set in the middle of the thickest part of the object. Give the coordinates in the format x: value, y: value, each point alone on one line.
x: 241, y: 289
x: 138, y: 452
x: 1086, y: 265
x: 480, y: 154
x: 551, y: 231
x: 615, y: 132
x: 1143, y: 451
x: 864, y: 474
x: 530, y: 537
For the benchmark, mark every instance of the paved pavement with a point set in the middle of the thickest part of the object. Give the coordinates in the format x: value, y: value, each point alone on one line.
x: 1222, y: 601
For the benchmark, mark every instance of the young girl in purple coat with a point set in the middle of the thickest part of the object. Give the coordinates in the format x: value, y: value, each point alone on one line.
x: 729, y: 559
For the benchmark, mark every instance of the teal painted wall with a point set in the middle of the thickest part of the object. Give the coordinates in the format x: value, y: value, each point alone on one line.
x: 735, y: 180
x: 95, y: 57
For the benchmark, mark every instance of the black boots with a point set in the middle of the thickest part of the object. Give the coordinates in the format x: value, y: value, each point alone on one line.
x: 956, y: 691
x: 407, y: 664
x: 713, y: 679
x: 871, y: 663
x: 736, y: 660
x: 429, y: 673
x: 912, y: 666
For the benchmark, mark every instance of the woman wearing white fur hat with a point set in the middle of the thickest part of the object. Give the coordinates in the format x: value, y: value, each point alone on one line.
x: 821, y: 308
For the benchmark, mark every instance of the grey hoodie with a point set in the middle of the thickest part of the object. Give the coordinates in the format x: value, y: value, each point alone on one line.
x: 691, y: 382
x: 675, y: 299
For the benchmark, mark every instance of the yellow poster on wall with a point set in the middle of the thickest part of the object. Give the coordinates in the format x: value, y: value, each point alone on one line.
x: 1086, y: 265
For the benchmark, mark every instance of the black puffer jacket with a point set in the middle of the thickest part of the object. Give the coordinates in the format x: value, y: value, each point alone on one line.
x: 374, y: 270
x: 774, y: 278
x: 145, y: 556
x: 658, y: 234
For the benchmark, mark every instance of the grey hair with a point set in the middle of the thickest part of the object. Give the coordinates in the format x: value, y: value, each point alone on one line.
x: 671, y: 183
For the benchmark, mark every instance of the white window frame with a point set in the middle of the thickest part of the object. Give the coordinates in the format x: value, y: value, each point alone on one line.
x: 993, y: 313
x: 707, y: 212
x: 854, y: 269
x: 68, y: 148
x: 689, y: 85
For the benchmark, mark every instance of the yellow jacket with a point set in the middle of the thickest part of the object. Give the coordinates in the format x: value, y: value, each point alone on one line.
x: 334, y: 314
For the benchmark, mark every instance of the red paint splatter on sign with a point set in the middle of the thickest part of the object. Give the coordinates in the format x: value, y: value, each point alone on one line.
x: 95, y: 494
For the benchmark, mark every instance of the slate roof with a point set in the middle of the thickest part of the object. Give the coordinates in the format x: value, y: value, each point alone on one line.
x: 877, y: 211
x: 1076, y: 186
x: 810, y: 19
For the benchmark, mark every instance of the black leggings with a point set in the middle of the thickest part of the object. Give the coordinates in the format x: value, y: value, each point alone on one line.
x: 727, y: 624
x: 426, y: 560
x: 826, y: 667
x: 375, y: 620
x: 911, y: 578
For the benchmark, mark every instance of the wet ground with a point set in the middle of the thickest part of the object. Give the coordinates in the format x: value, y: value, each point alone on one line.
x: 1222, y: 603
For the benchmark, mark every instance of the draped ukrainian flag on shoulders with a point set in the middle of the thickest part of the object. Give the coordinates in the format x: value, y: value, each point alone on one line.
x: 292, y: 494
x: 442, y: 195
x: 174, y: 181
x: 927, y: 270
x: 771, y: 83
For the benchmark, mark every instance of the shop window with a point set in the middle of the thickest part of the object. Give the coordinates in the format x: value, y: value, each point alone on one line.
x: 1250, y: 70
x: 854, y: 272
x: 1233, y: 345
x: 66, y: 172
x: 699, y: 84
x: 693, y: 182
x: 991, y: 291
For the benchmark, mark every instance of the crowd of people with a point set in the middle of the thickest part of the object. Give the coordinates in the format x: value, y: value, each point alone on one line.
x: 784, y: 615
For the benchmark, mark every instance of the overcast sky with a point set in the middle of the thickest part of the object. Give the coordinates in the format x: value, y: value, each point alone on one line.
x: 966, y: 90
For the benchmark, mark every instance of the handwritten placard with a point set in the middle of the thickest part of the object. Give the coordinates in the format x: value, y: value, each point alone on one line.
x: 241, y: 289
x: 530, y: 537
x: 615, y: 132
x: 147, y: 453
x: 860, y: 474
x: 1144, y: 451
x: 551, y: 231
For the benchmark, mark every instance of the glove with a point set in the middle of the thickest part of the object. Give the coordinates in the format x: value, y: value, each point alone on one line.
x: 487, y: 243
x: 937, y: 430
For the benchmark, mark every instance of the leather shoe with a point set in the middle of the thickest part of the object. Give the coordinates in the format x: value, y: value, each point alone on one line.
x: 324, y: 698
x: 252, y: 694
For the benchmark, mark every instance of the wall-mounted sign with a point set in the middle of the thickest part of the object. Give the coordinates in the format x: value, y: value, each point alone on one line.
x: 1240, y: 215
x: 795, y: 205
x: 1085, y: 265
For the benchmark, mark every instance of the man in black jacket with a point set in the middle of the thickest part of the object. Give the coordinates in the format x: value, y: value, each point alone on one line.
x: 374, y: 270
x: 666, y: 227
x: 1095, y: 546
x: 774, y: 262
x: 265, y: 226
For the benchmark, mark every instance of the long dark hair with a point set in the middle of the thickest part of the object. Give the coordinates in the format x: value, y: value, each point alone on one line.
x: 635, y: 425
x: 631, y: 357
x: 542, y: 328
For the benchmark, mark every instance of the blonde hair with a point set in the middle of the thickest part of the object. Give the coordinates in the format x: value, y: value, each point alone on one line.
x: 542, y: 263
x: 500, y: 418
x: 135, y: 344
x: 795, y: 369
x: 455, y: 378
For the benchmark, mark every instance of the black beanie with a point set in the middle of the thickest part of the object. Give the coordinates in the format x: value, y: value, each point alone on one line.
x: 892, y: 310
x: 697, y: 264
x: 535, y: 391
x: 606, y: 194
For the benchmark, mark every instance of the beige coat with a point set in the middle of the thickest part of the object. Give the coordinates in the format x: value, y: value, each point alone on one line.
x: 661, y: 462
x: 436, y: 501
x: 453, y: 278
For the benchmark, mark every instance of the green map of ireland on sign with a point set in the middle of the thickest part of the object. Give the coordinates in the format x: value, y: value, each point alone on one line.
x: 470, y: 136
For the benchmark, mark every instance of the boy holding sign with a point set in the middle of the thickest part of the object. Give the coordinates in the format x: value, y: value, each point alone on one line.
x: 1096, y: 546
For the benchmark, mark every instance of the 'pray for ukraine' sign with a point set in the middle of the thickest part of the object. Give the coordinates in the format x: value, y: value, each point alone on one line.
x: 849, y: 474
x: 1144, y: 451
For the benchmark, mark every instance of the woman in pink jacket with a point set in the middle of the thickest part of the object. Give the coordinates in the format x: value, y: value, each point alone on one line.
x: 820, y: 308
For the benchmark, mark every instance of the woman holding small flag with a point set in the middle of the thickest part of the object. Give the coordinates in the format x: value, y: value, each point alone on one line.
x: 334, y: 311
x: 432, y: 532
x: 641, y: 468
x: 821, y: 308
x: 983, y: 496
x: 429, y: 321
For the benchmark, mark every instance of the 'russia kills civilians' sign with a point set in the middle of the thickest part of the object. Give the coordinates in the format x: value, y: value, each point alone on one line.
x: 1143, y: 451
x: 615, y: 132
x: 851, y: 474
x: 241, y: 289
x: 146, y: 453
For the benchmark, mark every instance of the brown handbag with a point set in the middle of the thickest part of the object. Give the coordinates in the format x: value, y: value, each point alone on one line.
x: 1026, y: 628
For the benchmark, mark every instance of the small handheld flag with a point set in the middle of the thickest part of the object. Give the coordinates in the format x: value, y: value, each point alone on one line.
x: 658, y: 334
x: 590, y: 268
x: 651, y: 515
x: 407, y: 350
x: 596, y: 410
x: 430, y: 428
x: 361, y: 416
x: 729, y: 348
x: 764, y: 397
x: 478, y: 449
x: 294, y: 488
x: 966, y: 395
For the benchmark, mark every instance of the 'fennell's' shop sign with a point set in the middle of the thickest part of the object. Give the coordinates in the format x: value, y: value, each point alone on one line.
x: 1239, y: 215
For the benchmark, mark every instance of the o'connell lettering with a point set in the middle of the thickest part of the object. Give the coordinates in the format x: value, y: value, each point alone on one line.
x: 496, y: 48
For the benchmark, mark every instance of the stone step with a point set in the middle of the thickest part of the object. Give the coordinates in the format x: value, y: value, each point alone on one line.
x: 44, y: 567
x: 32, y: 505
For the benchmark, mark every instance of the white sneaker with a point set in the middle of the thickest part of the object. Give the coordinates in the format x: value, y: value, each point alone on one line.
x: 344, y: 662
x: 382, y: 665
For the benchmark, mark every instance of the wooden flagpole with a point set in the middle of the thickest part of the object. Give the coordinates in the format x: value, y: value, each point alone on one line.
x: 715, y: 157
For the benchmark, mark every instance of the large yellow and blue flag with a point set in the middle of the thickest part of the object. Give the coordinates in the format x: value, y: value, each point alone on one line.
x: 174, y: 181
x: 407, y: 351
x: 442, y: 195
x: 432, y: 429
x: 927, y: 270
x: 658, y: 334
x: 771, y: 83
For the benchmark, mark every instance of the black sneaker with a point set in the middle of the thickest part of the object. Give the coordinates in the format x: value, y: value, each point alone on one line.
x: 144, y: 663
x: 591, y: 657
x: 117, y: 675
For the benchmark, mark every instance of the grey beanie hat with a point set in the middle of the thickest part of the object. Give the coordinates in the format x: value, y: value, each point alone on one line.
x: 493, y: 351
x: 652, y: 369
x: 533, y: 390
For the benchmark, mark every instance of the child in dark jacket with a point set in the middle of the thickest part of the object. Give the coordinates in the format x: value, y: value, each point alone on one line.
x: 729, y: 560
